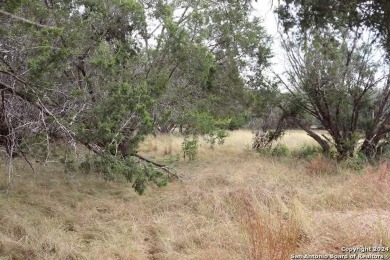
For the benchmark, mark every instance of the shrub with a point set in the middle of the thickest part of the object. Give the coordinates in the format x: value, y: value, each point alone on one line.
x: 280, y: 150
x: 358, y: 162
x: 308, y: 152
x: 264, y: 151
x: 190, y: 147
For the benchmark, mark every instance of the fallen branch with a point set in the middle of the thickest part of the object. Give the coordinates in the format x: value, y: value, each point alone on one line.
x: 160, y: 166
x: 100, y: 151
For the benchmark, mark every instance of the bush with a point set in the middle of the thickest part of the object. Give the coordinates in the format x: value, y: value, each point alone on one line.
x: 190, y: 147
x: 264, y: 151
x: 280, y: 150
x: 308, y: 152
x: 358, y: 162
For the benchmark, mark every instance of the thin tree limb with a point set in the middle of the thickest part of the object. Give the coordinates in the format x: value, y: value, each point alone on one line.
x: 24, y: 20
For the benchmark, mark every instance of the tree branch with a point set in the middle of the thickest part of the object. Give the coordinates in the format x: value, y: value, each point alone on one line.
x: 160, y: 166
x: 24, y: 20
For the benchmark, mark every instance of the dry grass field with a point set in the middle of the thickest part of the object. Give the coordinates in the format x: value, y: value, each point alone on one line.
x: 232, y: 203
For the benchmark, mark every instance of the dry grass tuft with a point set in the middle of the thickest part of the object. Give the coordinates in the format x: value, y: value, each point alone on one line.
x: 321, y: 165
x: 270, y: 235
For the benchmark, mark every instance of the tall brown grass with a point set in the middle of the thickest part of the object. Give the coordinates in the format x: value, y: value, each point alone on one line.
x: 321, y: 165
x: 270, y: 235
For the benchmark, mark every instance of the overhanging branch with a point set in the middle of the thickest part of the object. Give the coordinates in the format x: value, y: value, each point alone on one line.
x: 24, y: 20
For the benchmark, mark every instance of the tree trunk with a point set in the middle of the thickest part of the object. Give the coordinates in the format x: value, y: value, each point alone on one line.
x: 369, y: 148
x: 322, y: 142
x: 344, y: 153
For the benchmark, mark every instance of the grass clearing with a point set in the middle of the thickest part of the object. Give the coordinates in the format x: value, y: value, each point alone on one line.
x: 235, y: 204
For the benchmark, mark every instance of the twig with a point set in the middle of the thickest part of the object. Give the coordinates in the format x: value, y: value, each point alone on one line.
x: 28, y: 162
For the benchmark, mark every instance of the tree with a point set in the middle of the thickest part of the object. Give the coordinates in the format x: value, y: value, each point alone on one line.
x: 268, y: 121
x: 106, y: 73
x: 79, y: 84
x: 203, y: 50
x: 334, y: 78
x: 364, y: 18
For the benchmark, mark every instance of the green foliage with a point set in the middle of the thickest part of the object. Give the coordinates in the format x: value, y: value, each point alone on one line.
x: 331, y: 79
x: 384, y: 149
x: 313, y: 15
x: 190, y: 147
x: 280, y: 150
x: 69, y: 164
x: 345, y: 64
x: 204, y: 124
x: 333, y: 153
x: 201, y: 78
x: 238, y: 121
x: 308, y: 152
x: 135, y: 172
x: 198, y: 122
x: 217, y: 136
x: 86, y: 165
x: 358, y: 162
x: 36, y: 145
x: 94, y: 73
x: 264, y: 151
x: 111, y: 123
